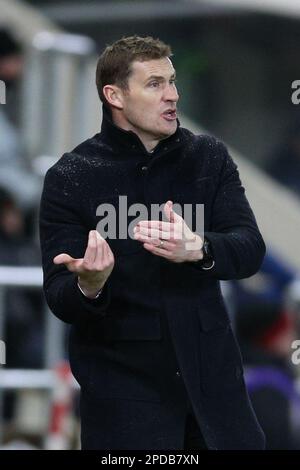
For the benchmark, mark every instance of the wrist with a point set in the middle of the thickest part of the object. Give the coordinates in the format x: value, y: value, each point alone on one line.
x: 195, y: 249
x: 196, y: 255
x: 91, y: 292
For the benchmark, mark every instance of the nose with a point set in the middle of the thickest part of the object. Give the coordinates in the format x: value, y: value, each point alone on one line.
x: 171, y: 93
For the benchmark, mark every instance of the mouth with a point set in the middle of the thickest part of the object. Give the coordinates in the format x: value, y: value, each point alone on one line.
x: 170, y: 115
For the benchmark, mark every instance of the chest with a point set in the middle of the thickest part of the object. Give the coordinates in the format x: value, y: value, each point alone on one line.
x: 120, y: 193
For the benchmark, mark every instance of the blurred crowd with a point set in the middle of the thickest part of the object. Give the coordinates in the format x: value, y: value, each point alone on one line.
x: 267, y: 323
x: 19, y: 197
x: 23, y: 326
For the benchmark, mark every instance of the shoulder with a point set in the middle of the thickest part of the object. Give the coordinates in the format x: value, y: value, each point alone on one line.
x: 207, y: 150
x: 72, y: 166
x: 205, y: 142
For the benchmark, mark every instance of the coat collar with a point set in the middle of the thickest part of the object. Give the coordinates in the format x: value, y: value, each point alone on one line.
x: 128, y: 140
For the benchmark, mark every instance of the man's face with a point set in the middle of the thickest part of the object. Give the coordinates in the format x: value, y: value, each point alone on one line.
x: 149, y: 105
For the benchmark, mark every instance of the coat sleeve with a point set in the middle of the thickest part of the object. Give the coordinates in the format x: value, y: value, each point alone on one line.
x: 62, y: 231
x: 236, y: 242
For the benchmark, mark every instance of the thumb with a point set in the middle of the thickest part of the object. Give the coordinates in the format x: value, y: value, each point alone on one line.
x: 171, y: 215
x: 63, y: 258
x: 168, y: 210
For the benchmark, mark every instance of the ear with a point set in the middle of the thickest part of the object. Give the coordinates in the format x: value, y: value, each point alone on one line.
x: 113, y: 95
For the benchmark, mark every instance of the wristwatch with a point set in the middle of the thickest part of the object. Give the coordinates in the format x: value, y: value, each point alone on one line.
x: 207, y: 262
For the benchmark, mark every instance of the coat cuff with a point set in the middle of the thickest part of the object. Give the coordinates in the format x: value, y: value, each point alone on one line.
x: 206, y: 270
x: 220, y: 254
x: 73, y: 296
x: 99, y: 292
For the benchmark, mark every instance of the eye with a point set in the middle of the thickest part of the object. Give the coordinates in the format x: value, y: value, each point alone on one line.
x: 173, y: 81
x: 154, y: 84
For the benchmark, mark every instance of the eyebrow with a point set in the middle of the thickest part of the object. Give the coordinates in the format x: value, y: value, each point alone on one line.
x: 159, y: 77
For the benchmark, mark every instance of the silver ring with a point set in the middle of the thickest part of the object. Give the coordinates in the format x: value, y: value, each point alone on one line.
x: 161, y: 243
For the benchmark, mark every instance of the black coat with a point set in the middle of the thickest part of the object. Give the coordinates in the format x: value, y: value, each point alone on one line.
x: 120, y: 348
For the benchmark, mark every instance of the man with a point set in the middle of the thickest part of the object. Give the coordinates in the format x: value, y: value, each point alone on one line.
x: 150, y: 344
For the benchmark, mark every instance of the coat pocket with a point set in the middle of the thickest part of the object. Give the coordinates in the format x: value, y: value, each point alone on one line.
x: 127, y: 327
x: 120, y: 361
x: 115, y: 380
x: 124, y: 357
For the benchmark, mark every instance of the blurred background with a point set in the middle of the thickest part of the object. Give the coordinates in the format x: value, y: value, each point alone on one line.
x: 236, y: 62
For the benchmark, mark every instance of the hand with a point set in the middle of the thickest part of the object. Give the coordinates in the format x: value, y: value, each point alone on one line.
x: 94, y: 268
x: 179, y: 242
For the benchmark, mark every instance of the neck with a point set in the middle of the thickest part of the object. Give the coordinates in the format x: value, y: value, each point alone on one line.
x: 149, y: 142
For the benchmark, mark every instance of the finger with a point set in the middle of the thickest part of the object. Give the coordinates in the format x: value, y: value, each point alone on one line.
x: 63, y: 258
x: 174, y: 233
x: 100, y: 250
x: 171, y: 215
x: 155, y: 233
x: 108, y: 255
x: 158, y: 251
x: 91, y: 250
x: 168, y: 211
x: 72, y: 264
x: 157, y: 242
x: 75, y: 266
x: 105, y: 255
x: 157, y: 224
x: 109, y: 251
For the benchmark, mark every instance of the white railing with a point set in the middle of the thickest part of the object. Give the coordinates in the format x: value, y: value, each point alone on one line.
x: 60, y: 102
x: 32, y: 277
x: 14, y: 379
